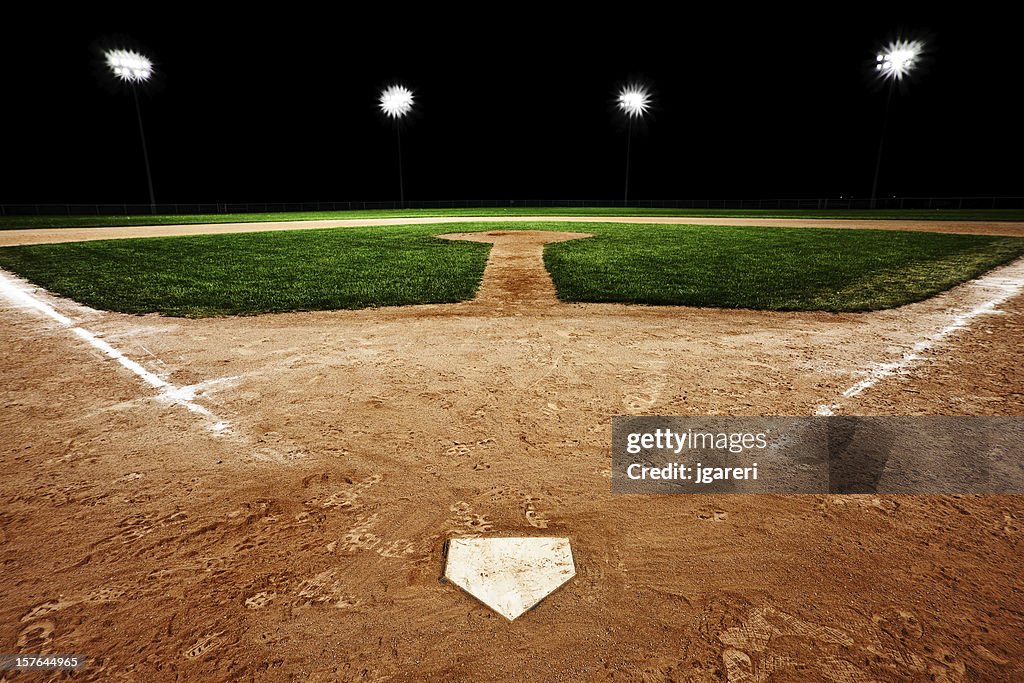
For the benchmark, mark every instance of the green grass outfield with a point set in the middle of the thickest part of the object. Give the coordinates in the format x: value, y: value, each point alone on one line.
x: 342, y: 268
x: 29, y: 222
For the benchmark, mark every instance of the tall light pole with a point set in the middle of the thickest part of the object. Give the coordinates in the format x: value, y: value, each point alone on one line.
x: 396, y: 102
x: 133, y: 69
x: 893, y: 64
x: 633, y: 101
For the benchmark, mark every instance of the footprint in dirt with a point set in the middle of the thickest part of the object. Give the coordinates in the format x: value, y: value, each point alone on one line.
x: 648, y: 387
x: 465, y: 522
x: 399, y: 548
x: 715, y: 515
x: 478, y: 524
x: 458, y: 450
x: 348, y: 496
x: 36, y: 637
x: 551, y: 409
x: 899, y: 623
x: 204, y: 645
x: 1011, y: 524
x: 105, y: 594
x: 135, y: 527
x: 897, y: 639
x: 639, y: 402
x: 260, y: 600
x: 740, y: 668
x: 748, y: 656
x: 359, y: 537
x: 769, y: 644
x: 326, y: 588
x: 536, y: 519
x: 320, y: 479
x: 101, y: 595
x: 48, y: 608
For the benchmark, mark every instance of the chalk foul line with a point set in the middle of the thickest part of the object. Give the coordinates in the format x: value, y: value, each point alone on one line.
x: 994, y: 290
x: 19, y: 294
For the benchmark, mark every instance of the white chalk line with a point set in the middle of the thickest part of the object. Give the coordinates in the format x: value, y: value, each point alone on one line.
x: 19, y: 294
x: 1007, y: 283
x: 1000, y: 286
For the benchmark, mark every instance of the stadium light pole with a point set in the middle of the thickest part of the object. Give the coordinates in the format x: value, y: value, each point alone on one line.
x: 894, y: 63
x: 133, y: 69
x: 633, y: 101
x: 396, y: 102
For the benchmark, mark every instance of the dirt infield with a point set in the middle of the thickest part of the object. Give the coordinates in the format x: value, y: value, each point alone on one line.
x: 303, y: 540
x: 51, y: 235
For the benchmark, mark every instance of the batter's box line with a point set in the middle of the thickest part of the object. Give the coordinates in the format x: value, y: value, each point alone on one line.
x: 1002, y: 285
x: 19, y: 293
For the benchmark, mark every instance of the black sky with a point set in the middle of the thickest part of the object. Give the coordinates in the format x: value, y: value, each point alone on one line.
x: 517, y: 105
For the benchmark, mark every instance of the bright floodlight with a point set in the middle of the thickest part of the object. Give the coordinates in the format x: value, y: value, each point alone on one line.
x: 898, y: 59
x: 396, y: 101
x: 634, y: 100
x: 129, y: 66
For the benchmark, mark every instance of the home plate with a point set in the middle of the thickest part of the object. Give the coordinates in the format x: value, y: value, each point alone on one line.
x: 509, y: 575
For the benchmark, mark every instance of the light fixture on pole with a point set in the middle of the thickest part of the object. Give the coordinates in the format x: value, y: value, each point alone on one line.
x: 396, y: 102
x: 134, y: 69
x: 633, y: 101
x: 894, y: 63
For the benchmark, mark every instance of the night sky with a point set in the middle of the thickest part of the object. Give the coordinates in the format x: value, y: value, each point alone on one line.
x: 746, y: 106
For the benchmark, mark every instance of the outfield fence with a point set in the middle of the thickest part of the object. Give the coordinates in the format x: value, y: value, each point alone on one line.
x: 827, y: 203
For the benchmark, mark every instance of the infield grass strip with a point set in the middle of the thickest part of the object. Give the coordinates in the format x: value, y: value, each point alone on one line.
x: 784, y: 269
x: 342, y: 268
x: 30, y: 222
x: 249, y: 273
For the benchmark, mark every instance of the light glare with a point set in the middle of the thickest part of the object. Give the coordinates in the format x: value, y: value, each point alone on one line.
x: 129, y: 66
x: 634, y: 100
x: 898, y: 59
x: 396, y: 101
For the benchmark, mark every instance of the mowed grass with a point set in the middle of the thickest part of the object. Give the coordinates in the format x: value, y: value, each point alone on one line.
x: 346, y: 268
x: 30, y: 222
x: 779, y: 269
x: 250, y: 273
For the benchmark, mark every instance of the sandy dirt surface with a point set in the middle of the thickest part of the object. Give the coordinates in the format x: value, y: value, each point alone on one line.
x: 305, y: 541
x: 49, y: 235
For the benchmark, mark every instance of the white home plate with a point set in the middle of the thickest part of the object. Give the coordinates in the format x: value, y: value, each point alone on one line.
x: 509, y: 575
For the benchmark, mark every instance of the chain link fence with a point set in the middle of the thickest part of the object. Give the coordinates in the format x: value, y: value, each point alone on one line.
x: 830, y: 203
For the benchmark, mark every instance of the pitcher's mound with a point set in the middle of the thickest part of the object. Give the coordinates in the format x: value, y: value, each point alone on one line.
x: 516, y: 237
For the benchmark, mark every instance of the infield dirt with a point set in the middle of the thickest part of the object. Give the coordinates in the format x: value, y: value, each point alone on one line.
x: 305, y: 542
x: 51, y: 235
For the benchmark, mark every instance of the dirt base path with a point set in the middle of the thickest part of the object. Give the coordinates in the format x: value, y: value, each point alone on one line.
x: 515, y: 276
x: 304, y: 539
x: 51, y: 235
